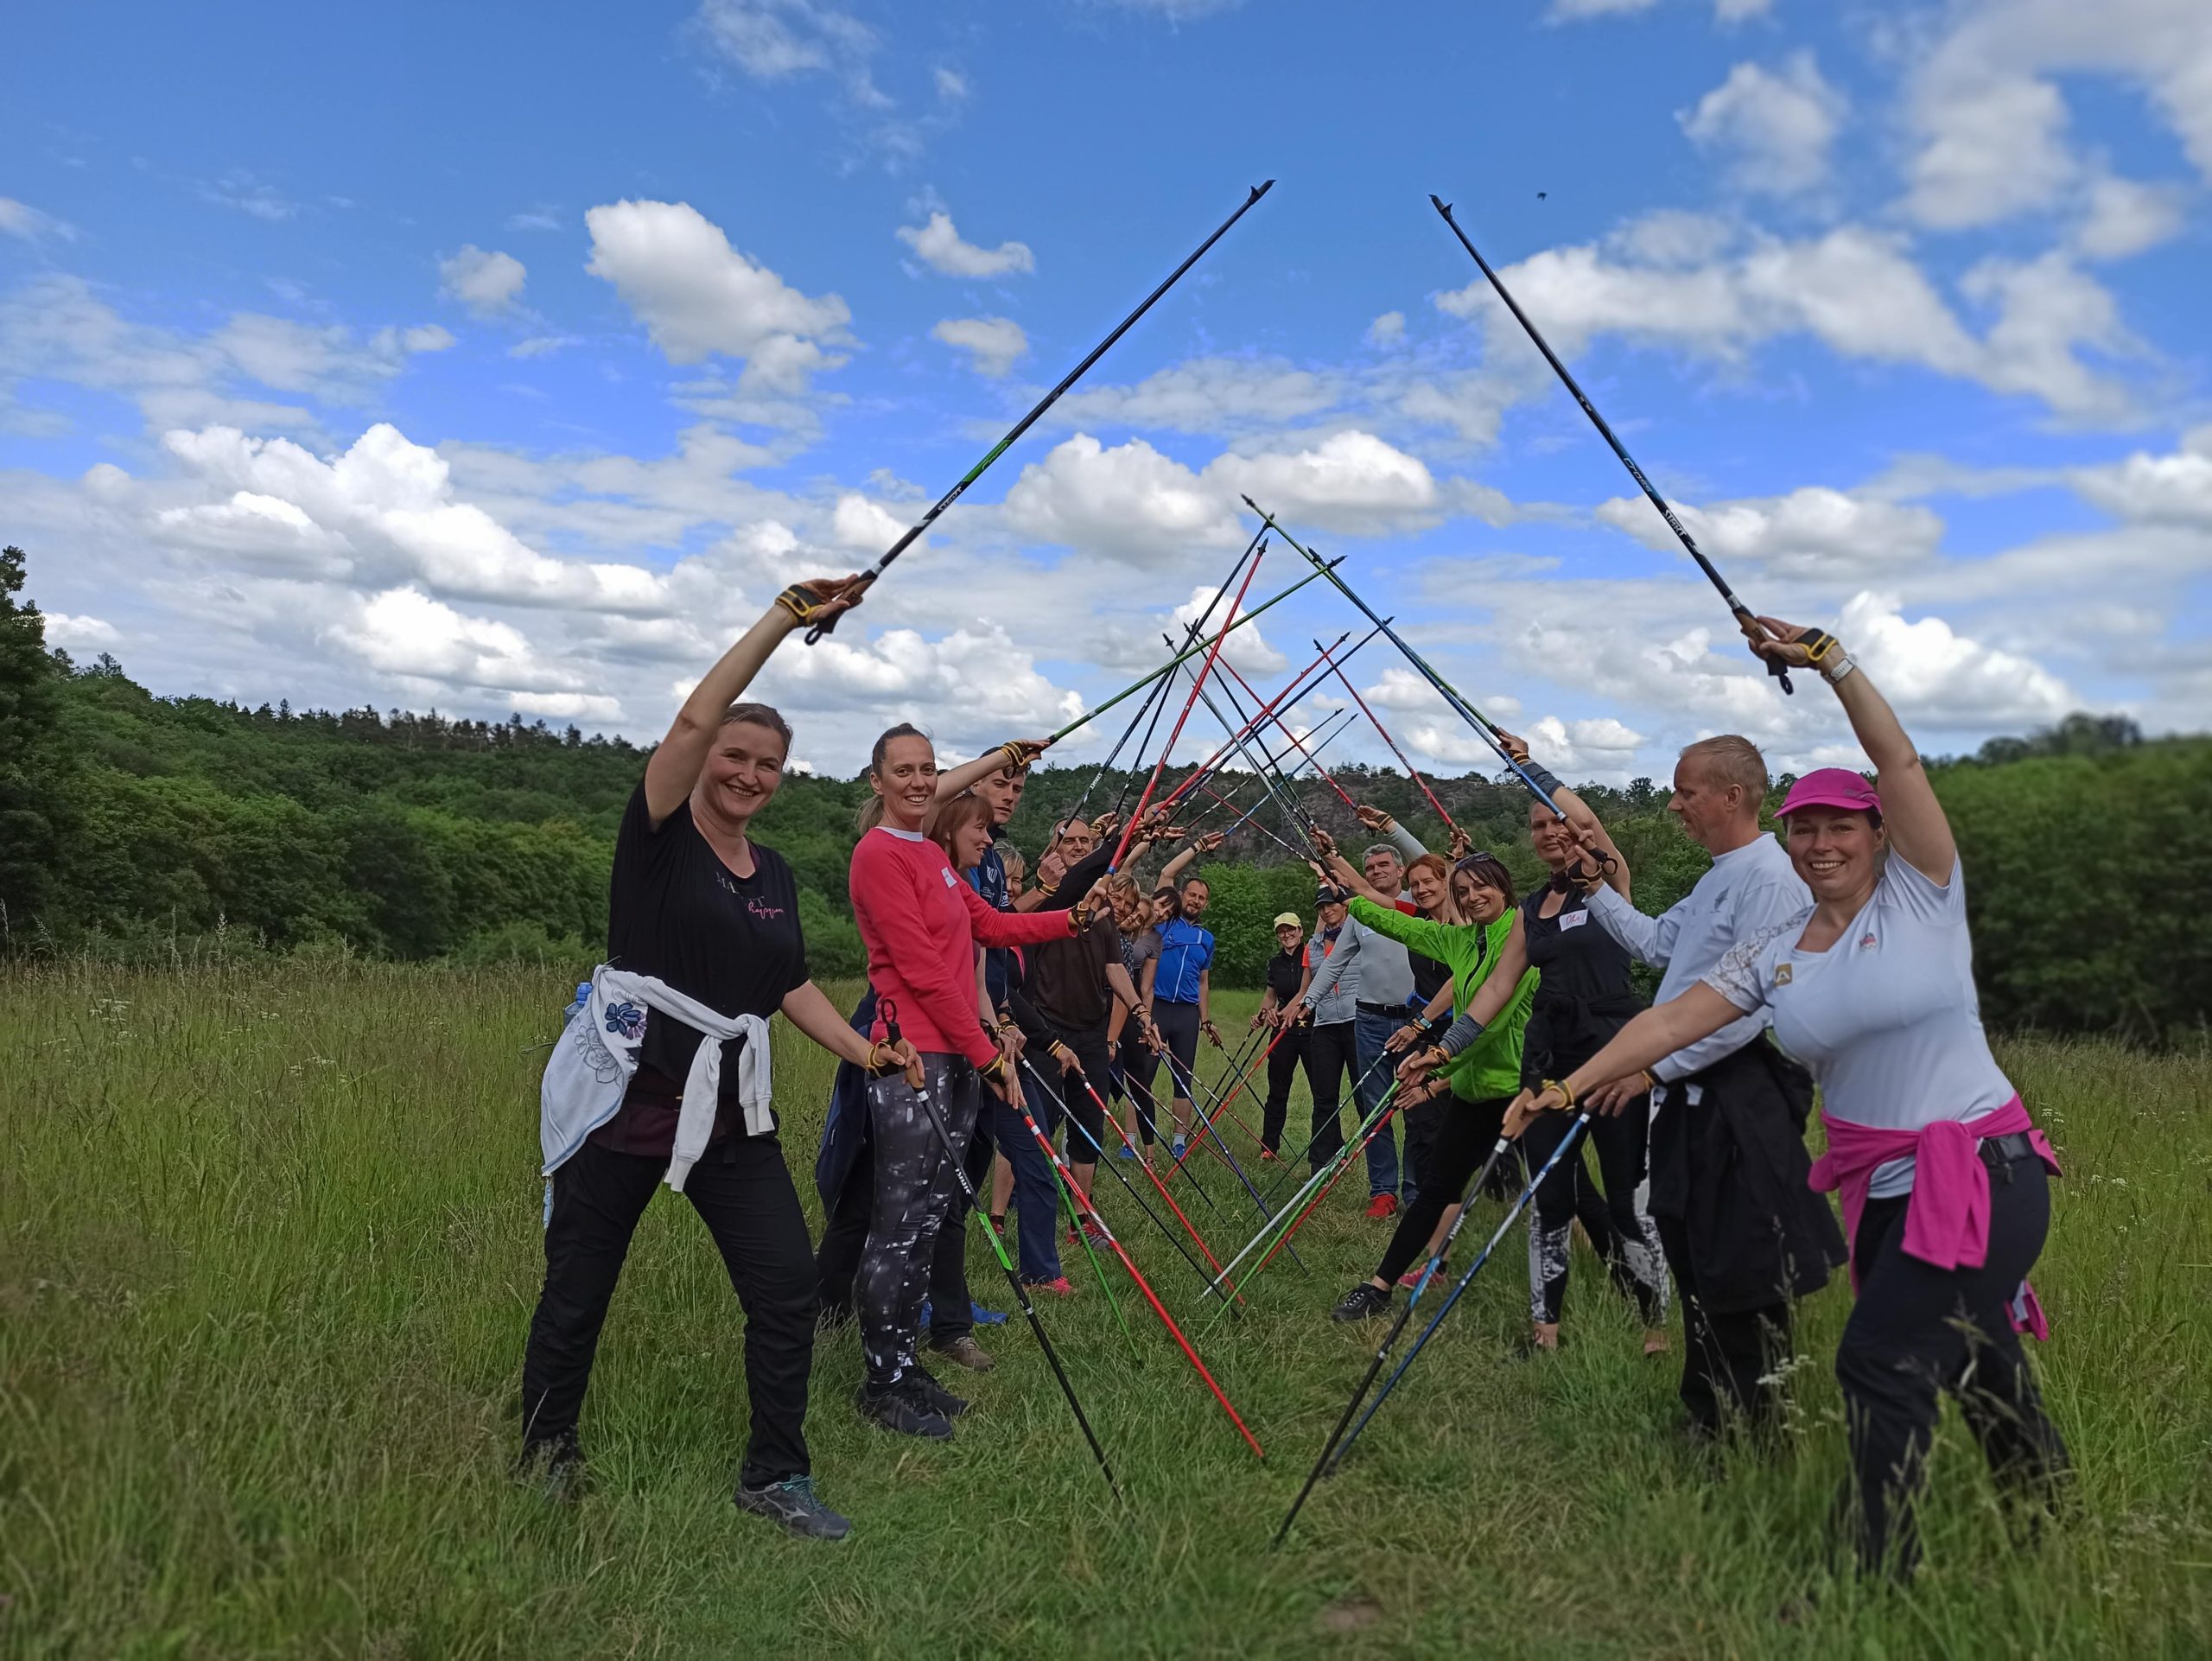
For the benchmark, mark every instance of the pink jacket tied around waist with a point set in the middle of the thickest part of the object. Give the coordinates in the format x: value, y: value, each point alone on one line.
x: 1947, y: 1218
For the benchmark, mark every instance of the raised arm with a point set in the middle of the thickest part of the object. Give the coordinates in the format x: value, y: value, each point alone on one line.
x: 675, y: 766
x: 1323, y: 980
x: 1914, y: 818
x: 1171, y: 875
x: 1588, y: 829
x: 1649, y: 1038
x: 1014, y: 753
x: 1408, y: 844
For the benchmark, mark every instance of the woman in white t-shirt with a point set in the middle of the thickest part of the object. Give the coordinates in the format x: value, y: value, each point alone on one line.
x: 1944, y: 1179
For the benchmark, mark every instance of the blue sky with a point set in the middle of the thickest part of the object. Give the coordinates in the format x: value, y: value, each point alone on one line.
x: 511, y: 358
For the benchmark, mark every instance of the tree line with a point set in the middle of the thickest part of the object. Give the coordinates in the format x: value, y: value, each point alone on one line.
x: 136, y: 826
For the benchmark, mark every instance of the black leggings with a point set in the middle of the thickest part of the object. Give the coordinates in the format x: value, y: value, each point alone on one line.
x: 1134, y: 1067
x: 1330, y: 1058
x: 743, y: 1193
x: 1622, y: 1234
x: 1282, y: 1072
x: 1468, y: 1131
x: 1917, y: 1331
x: 915, y: 1188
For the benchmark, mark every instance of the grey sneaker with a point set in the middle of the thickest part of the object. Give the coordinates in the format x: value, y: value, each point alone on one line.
x: 793, y: 1505
x: 965, y: 1351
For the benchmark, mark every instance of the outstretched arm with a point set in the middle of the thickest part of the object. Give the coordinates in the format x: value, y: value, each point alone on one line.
x: 807, y: 1009
x: 1014, y: 753
x: 675, y: 766
x: 1914, y: 817
x: 1650, y: 1037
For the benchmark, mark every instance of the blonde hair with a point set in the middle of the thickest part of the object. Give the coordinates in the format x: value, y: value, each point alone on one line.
x: 1730, y: 759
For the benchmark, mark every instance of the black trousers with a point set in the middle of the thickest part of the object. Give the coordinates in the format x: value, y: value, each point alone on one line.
x: 844, y: 1234
x: 1624, y: 1236
x: 743, y: 1192
x: 1724, y: 1355
x: 1331, y: 1059
x: 1135, y: 1065
x: 1465, y: 1133
x: 1423, y: 1121
x: 1917, y: 1331
x: 1086, y: 1138
x: 1178, y: 1026
x: 1282, y: 1072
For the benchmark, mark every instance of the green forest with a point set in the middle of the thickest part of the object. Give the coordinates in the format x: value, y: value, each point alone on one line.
x: 156, y: 829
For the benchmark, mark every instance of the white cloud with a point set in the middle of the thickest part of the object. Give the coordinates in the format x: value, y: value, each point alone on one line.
x: 1595, y: 747
x: 972, y: 683
x: 1207, y: 395
x: 541, y: 346
x: 241, y: 191
x: 1737, y: 11
x: 940, y: 246
x: 1247, y: 648
x: 1991, y: 147
x: 1814, y: 531
x: 994, y: 345
x: 535, y: 218
x: 1775, y: 130
x: 698, y: 296
x: 1128, y: 503
x: 82, y: 632
x: 21, y: 220
x: 1568, y: 11
x: 1857, y: 291
x: 862, y: 525
x: 403, y: 632
x: 2121, y: 218
x: 771, y: 40
x: 1934, y: 675
x: 487, y: 283
x: 1388, y: 329
x: 951, y: 84
x: 1351, y: 481
x: 2173, y: 489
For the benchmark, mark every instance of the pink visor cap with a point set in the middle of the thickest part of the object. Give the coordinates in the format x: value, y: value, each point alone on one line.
x: 1836, y: 787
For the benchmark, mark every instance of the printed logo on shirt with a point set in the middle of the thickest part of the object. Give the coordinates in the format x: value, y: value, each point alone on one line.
x: 1866, y: 941
x: 1572, y: 919
x: 1781, y: 974
x: 763, y: 910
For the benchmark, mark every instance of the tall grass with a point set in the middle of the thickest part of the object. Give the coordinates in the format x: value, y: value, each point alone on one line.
x: 269, y: 1244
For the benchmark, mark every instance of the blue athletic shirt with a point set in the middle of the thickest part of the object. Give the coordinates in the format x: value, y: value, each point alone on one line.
x: 1186, y: 952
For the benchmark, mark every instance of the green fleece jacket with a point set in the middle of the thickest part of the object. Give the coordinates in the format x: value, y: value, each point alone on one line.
x: 1491, y: 1067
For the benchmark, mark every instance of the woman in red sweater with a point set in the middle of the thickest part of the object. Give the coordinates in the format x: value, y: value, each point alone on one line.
x: 921, y: 926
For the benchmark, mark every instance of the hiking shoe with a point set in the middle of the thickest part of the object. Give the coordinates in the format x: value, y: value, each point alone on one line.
x: 965, y: 1351
x: 554, y: 1466
x: 1177, y: 1150
x: 933, y: 1395
x: 1384, y: 1204
x: 1364, y: 1302
x: 1058, y: 1288
x: 983, y: 1317
x: 793, y: 1505
x: 1268, y: 1154
x: 902, y: 1411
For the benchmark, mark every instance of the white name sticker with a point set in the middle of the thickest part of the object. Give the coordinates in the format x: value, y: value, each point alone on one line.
x: 1572, y: 919
x: 949, y: 878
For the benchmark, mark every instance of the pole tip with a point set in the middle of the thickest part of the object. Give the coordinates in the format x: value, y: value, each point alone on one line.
x: 1262, y: 188
x: 1439, y: 204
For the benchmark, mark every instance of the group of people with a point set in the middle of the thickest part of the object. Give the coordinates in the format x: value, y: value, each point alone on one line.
x: 1004, y: 1021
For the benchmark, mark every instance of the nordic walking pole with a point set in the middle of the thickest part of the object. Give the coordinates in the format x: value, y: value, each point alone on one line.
x: 1389, y: 1057
x: 1487, y: 729
x: 1295, y: 740
x: 1412, y: 771
x: 1090, y: 1212
x: 1521, y: 1204
x: 1120, y: 1131
x: 1209, y: 1128
x: 1105, y: 1284
x: 1171, y: 1237
x: 1747, y: 619
x: 1389, y: 1340
x: 888, y: 1011
x: 869, y: 576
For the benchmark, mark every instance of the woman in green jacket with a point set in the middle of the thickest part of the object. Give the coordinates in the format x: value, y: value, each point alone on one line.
x: 1482, y: 1077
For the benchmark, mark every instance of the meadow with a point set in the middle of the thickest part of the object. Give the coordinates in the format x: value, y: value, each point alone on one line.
x: 269, y: 1243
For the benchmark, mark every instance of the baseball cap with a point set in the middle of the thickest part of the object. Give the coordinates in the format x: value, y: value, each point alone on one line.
x: 1325, y: 895
x: 1289, y: 919
x: 1837, y: 787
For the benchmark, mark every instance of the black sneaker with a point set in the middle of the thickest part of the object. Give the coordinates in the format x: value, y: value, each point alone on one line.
x: 1364, y: 1302
x: 902, y: 1411
x: 934, y: 1396
x: 794, y: 1506
x: 554, y: 1466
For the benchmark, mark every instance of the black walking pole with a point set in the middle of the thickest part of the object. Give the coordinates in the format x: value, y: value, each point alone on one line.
x: 888, y: 1011
x: 1746, y: 620
x: 869, y: 575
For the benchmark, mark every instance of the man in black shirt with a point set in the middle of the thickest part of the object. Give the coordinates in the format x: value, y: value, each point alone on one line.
x: 1286, y: 973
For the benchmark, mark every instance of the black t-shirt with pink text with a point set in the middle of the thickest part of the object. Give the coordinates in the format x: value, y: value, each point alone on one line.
x: 677, y: 912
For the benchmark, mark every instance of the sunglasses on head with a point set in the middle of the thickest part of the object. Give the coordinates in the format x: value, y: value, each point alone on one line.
x: 1475, y: 862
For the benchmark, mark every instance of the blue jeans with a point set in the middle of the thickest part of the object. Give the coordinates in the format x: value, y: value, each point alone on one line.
x: 1036, y: 1190
x: 1369, y: 1033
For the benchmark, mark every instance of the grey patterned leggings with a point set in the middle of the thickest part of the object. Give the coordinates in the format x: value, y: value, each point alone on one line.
x: 915, y: 1185
x: 1619, y: 1228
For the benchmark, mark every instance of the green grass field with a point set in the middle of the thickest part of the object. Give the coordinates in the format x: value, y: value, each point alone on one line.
x: 268, y: 1245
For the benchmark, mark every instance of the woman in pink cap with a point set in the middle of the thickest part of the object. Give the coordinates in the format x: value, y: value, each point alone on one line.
x: 1944, y: 1179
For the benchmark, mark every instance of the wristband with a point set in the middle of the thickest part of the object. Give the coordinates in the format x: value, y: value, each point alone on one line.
x: 1836, y: 666
x: 1559, y: 1084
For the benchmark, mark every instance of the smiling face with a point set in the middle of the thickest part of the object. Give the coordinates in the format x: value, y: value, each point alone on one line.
x: 1078, y: 842
x: 970, y: 843
x: 1478, y: 902
x: 742, y: 772
x: 1163, y: 905
x: 1837, y: 852
x: 1427, y: 890
x: 907, y: 781
x: 1332, y: 915
x: 1290, y: 937
x: 1383, y: 872
x: 1555, y: 843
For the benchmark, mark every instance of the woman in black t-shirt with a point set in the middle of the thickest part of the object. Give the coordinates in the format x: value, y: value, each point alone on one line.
x: 1286, y: 976
x: 696, y: 904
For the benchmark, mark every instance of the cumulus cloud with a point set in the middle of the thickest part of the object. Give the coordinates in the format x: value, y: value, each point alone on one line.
x: 1207, y: 395
x: 85, y: 633
x: 2122, y: 218
x: 1388, y: 329
x: 1246, y: 648
x: 1933, y: 674
x: 697, y: 296
x: 487, y: 283
x: 1813, y: 531
x: 2173, y: 489
x: 1775, y: 130
x: 941, y: 247
x: 1351, y: 481
x: 405, y: 632
x: 21, y: 220
x: 976, y: 677
x: 994, y: 345
x: 1856, y: 291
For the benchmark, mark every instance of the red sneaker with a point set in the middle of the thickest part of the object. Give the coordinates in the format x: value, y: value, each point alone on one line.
x: 1058, y: 1288
x: 1267, y: 1154
x: 1384, y: 1204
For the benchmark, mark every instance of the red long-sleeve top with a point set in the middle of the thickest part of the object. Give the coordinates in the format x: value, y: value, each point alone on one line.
x: 921, y: 926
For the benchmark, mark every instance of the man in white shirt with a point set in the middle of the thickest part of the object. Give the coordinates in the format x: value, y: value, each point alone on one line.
x: 1744, y: 1234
